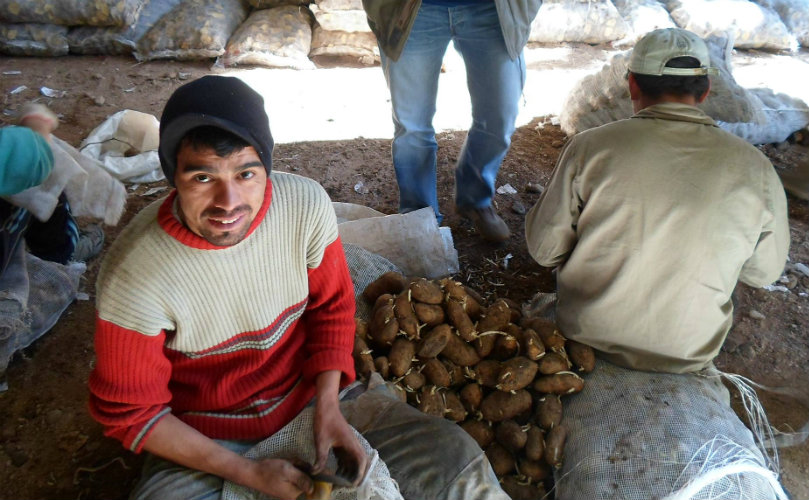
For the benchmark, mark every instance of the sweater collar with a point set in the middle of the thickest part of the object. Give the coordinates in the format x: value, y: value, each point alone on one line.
x: 677, y: 112
x: 177, y: 230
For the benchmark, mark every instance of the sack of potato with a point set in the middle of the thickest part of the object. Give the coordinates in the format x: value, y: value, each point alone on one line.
x: 500, y: 376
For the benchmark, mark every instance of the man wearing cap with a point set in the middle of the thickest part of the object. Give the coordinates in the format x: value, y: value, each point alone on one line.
x: 650, y: 222
x: 225, y: 308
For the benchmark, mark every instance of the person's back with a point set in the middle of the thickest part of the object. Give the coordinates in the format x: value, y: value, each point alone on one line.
x: 652, y: 220
x: 673, y: 208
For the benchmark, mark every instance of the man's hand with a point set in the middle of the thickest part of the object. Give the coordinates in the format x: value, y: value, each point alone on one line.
x: 333, y: 432
x: 175, y: 440
x: 279, y: 478
x: 39, y: 118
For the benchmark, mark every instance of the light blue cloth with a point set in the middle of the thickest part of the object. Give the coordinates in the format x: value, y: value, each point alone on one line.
x: 26, y: 159
x: 495, y: 83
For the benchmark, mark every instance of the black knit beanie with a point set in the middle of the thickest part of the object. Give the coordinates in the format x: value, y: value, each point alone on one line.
x: 220, y: 101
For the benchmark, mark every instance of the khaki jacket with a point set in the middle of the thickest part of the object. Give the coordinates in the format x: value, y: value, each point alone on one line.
x: 652, y: 220
x: 391, y: 21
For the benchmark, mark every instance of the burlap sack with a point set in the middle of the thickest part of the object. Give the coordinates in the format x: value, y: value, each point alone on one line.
x: 33, y: 39
x: 72, y: 12
x: 751, y: 25
x: 588, y: 21
x: 278, y: 38
x: 359, y: 47
x: 196, y: 29
x: 118, y: 40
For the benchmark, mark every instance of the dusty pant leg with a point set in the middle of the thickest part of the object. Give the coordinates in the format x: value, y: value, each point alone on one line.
x: 430, y: 458
x: 165, y: 480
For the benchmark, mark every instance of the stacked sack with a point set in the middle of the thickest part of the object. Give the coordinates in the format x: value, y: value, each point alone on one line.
x: 342, y: 33
x: 500, y: 376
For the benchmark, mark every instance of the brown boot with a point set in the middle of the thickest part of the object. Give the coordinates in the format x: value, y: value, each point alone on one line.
x: 490, y: 226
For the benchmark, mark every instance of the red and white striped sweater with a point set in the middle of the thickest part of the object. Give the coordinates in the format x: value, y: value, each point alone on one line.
x: 228, y: 339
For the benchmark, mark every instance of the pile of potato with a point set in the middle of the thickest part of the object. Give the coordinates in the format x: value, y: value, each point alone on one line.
x: 498, y: 375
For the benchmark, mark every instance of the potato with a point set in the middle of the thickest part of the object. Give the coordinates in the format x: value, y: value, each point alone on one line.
x: 361, y: 328
x: 516, y: 373
x: 484, y: 344
x: 434, y: 341
x: 548, y: 411
x: 514, y: 309
x: 385, y: 298
x: 559, y: 383
x: 408, y: 323
x: 456, y: 373
x: 505, y: 347
x: 401, y: 356
x: 363, y: 361
x: 471, y: 396
x: 497, y: 316
x: 531, y: 345
x: 487, y: 373
x: 534, y: 470
x: 459, y: 352
x: 554, y: 446
x: 430, y: 315
x: 501, y: 459
x: 384, y: 327
x: 382, y: 365
x: 458, y: 318
x: 480, y: 430
x: 414, y: 380
x: 426, y: 291
x: 550, y: 335
x: 455, y: 410
x: 581, y: 355
x: 499, y: 405
x: 452, y: 289
x: 436, y: 373
x: 476, y: 301
x: 521, y: 489
x: 553, y: 362
x: 431, y: 401
x: 534, y: 444
x: 511, y: 435
x: 389, y: 282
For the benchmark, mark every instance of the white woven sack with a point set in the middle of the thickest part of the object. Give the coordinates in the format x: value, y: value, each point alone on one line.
x: 783, y: 115
x: 33, y: 39
x: 341, y: 20
x: 642, y: 16
x: 604, y: 96
x: 296, y: 441
x: 794, y: 14
x: 587, y: 21
x: 639, y: 435
x: 752, y: 26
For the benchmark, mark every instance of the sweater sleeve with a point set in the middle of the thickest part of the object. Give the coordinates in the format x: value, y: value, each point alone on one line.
x: 329, y: 316
x: 129, y: 390
x: 26, y: 160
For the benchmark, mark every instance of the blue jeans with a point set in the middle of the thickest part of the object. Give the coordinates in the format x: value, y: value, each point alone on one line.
x: 495, y: 84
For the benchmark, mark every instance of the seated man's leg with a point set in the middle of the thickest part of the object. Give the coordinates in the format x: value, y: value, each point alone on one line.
x: 55, y: 239
x: 14, y: 222
x: 165, y: 480
x: 431, y: 458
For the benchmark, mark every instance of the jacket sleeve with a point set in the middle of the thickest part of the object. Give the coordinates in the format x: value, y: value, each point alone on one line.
x: 129, y: 390
x: 550, y: 226
x: 329, y: 317
x: 26, y: 160
x: 770, y: 254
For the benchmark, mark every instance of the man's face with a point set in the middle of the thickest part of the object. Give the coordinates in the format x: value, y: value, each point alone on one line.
x: 219, y: 197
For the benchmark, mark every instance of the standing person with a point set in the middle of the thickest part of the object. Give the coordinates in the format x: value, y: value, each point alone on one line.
x: 650, y: 222
x: 225, y: 308
x: 490, y: 35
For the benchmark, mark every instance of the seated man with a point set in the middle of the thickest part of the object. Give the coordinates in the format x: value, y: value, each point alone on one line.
x: 225, y: 308
x: 652, y: 220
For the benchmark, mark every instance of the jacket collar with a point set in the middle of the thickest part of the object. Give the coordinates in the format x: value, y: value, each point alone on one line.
x: 677, y: 112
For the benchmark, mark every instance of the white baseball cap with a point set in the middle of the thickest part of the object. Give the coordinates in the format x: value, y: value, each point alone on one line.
x: 658, y: 47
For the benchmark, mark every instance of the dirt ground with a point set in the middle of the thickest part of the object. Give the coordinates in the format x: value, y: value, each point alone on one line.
x: 49, y: 446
